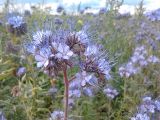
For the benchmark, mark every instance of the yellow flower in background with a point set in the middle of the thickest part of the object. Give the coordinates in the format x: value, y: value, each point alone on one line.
x: 80, y: 22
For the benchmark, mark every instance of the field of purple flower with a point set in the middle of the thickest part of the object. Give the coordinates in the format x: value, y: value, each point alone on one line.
x: 103, y: 66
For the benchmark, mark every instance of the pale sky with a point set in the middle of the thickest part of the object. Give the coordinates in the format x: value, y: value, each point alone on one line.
x: 71, y: 5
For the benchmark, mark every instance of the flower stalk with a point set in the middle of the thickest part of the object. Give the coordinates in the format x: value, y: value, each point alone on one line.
x: 66, y: 82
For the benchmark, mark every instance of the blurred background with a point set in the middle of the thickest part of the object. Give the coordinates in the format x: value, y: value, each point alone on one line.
x: 72, y: 5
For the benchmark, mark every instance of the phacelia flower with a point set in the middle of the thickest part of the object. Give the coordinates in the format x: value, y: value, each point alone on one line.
x: 76, y: 93
x: 102, y: 11
x: 60, y: 9
x: 83, y: 84
x: 16, y: 25
x: 21, y: 71
x: 157, y: 104
x: 88, y: 79
x: 82, y: 37
x: 110, y: 92
x: 153, y: 15
x: 138, y: 61
x: 63, y: 51
x: 96, y: 62
x: 2, y: 117
x: 49, y: 51
x: 57, y: 115
x: 41, y: 36
x: 153, y: 59
x: 58, y: 50
x: 128, y: 70
x: 42, y: 57
x: 88, y: 91
x: 91, y: 50
x: 105, y: 68
x: 140, y: 116
x: 147, y: 105
x: 58, y: 21
x: 147, y: 109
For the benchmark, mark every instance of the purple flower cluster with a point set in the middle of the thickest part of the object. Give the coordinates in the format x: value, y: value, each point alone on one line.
x: 140, y: 116
x: 102, y: 11
x: 57, y: 51
x: 21, y: 71
x: 50, y: 53
x: 147, y: 105
x: 58, y: 21
x: 110, y: 92
x: 16, y: 25
x: 148, y: 34
x: 54, y: 50
x: 60, y: 9
x: 138, y: 60
x: 57, y: 115
x: 2, y: 117
x: 153, y: 15
x: 84, y: 83
x: 146, y: 108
